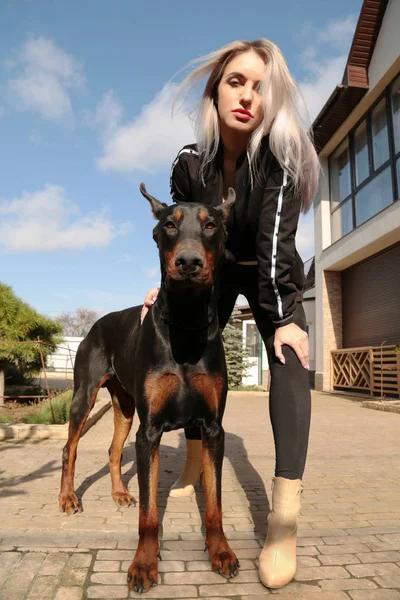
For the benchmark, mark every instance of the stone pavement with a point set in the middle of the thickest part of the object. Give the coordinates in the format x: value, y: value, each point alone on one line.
x: 349, y: 533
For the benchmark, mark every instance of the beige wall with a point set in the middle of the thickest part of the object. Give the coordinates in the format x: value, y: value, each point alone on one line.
x: 387, y: 48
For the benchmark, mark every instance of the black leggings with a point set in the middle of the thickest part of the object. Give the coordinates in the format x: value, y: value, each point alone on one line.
x: 289, y: 398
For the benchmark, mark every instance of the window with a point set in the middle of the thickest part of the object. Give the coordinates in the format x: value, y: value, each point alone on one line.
x: 361, y: 153
x: 380, y: 134
x: 396, y: 113
x: 342, y: 220
x: 374, y: 197
x: 339, y: 167
x: 364, y: 170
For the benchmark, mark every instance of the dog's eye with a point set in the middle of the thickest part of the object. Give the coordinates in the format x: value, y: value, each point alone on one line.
x: 210, y: 225
x: 170, y: 225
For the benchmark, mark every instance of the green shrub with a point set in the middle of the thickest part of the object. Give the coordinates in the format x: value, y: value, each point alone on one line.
x: 4, y: 419
x: 61, y: 406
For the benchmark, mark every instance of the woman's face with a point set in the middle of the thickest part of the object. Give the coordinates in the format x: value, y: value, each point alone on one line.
x: 238, y: 99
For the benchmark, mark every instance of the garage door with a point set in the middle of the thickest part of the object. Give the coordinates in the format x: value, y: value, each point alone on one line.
x: 371, y: 300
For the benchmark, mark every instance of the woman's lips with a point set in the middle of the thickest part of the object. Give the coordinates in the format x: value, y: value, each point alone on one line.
x: 243, y: 115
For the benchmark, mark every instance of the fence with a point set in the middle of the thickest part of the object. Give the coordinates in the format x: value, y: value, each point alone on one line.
x: 371, y: 369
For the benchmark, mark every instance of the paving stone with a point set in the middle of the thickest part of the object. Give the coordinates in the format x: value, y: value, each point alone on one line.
x: 69, y: 593
x: 107, y: 591
x: 43, y: 588
x: 54, y: 564
x: 375, y: 595
x: 374, y: 569
x: 74, y: 576
x: 164, y: 566
x: 107, y: 565
x: 170, y: 591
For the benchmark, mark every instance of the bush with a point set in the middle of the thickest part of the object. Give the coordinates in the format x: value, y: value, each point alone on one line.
x: 235, y: 353
x: 43, y: 415
x: 4, y: 419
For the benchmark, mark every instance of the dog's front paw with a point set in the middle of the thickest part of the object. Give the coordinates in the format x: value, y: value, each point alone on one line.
x: 69, y: 503
x: 223, y: 560
x: 123, y: 498
x: 143, y: 573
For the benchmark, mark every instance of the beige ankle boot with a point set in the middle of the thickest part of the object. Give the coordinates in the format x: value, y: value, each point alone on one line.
x: 184, y: 485
x: 277, y: 562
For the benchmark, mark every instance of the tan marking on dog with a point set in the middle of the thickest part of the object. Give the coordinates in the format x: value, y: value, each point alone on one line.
x: 158, y: 388
x: 178, y: 214
x: 213, y: 514
x: 203, y: 214
x: 210, y: 388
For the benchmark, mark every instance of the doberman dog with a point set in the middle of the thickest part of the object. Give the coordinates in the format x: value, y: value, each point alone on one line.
x: 172, y: 369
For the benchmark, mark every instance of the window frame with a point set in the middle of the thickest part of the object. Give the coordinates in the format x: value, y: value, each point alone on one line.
x: 391, y: 161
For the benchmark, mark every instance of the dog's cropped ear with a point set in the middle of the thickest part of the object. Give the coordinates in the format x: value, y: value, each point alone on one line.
x: 156, y: 206
x: 225, y: 208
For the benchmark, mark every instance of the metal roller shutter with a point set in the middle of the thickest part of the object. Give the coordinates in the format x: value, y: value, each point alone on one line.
x: 371, y: 300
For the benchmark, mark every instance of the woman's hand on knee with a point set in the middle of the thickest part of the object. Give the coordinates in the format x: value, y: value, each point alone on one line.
x: 149, y: 300
x: 292, y: 335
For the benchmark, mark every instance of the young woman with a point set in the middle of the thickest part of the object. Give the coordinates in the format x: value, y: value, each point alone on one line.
x: 251, y: 137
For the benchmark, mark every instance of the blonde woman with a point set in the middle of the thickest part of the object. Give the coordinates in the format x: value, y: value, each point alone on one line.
x: 251, y: 136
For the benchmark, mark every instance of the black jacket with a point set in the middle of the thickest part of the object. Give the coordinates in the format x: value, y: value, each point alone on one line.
x: 262, y: 224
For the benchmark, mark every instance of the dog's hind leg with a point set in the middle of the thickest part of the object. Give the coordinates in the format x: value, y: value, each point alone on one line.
x: 124, y: 410
x: 82, y: 403
x: 143, y: 571
x: 223, y: 559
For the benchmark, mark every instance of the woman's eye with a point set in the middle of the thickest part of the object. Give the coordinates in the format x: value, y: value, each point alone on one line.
x: 210, y: 226
x: 234, y: 83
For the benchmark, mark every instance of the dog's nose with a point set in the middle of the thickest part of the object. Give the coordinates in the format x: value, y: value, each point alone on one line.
x: 189, y: 262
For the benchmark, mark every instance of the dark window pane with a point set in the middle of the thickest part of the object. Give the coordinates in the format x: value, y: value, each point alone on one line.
x: 339, y: 168
x: 374, y: 197
x: 396, y: 113
x: 342, y: 221
x: 380, y: 134
x: 361, y: 153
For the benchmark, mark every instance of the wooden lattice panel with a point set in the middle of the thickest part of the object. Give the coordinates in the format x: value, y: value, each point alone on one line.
x: 374, y: 369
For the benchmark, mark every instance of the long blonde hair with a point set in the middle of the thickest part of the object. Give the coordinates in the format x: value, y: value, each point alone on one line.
x: 285, y: 115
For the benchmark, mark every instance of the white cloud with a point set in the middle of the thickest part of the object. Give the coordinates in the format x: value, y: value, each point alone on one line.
x: 47, y: 220
x: 151, y: 272
x: 339, y: 32
x: 44, y: 75
x: 107, y: 116
x: 324, y: 61
x: 149, y: 142
x: 124, y: 259
x: 325, y: 75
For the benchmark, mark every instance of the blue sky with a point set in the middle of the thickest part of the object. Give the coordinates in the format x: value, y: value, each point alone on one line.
x: 85, y: 97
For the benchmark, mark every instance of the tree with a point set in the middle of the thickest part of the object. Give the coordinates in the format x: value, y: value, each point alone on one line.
x: 78, y: 322
x: 235, y: 353
x: 19, y: 322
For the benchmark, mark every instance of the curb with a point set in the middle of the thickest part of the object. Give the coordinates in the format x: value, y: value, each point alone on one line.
x: 392, y: 406
x: 24, y: 431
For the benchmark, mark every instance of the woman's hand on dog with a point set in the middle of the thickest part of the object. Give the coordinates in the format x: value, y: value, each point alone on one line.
x: 149, y: 300
x: 292, y: 335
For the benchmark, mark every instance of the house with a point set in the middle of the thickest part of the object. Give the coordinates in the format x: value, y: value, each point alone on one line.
x: 357, y: 214
x: 258, y: 373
